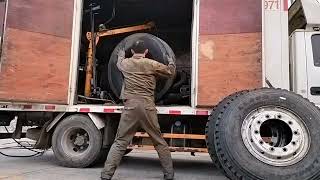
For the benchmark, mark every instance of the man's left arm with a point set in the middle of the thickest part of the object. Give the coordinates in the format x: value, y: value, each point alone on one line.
x: 121, y: 57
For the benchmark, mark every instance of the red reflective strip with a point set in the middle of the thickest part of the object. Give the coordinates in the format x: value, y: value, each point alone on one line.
x: 285, y: 5
x: 202, y: 113
x: 27, y: 106
x: 50, y: 107
x: 174, y: 112
x: 108, y: 110
x: 84, y: 110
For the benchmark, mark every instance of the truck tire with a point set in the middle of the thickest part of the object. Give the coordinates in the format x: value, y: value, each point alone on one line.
x: 268, y: 134
x: 211, y: 127
x: 76, y: 142
x: 157, y: 48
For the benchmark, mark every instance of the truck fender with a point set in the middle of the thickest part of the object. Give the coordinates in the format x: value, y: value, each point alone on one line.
x: 97, y: 120
x: 55, y: 121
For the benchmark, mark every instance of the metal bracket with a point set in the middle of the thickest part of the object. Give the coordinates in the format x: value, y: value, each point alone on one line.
x: 55, y: 121
x: 97, y: 120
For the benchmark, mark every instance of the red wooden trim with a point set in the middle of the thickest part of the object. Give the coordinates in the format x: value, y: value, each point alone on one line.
x: 285, y: 5
x: 50, y: 107
x: 106, y: 110
x: 174, y: 112
x: 84, y: 110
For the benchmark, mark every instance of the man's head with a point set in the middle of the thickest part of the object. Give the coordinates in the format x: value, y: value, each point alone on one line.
x: 139, y: 48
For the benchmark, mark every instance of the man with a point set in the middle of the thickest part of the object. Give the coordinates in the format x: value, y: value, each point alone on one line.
x: 139, y: 108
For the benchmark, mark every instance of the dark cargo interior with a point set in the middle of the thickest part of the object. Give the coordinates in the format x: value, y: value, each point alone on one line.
x: 173, y: 24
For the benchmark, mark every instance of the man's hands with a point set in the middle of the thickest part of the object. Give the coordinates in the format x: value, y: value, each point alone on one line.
x: 121, y: 53
x: 166, y: 56
x: 170, y: 60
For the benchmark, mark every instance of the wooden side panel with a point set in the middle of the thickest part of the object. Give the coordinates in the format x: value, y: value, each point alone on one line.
x: 229, y: 63
x: 230, y: 16
x: 35, y: 60
x: 53, y: 17
x: 230, y: 49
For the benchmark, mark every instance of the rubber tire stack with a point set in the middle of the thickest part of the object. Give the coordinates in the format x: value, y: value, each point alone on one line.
x: 228, y: 151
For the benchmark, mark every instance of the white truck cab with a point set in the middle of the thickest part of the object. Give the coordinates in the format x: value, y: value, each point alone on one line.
x: 304, y: 42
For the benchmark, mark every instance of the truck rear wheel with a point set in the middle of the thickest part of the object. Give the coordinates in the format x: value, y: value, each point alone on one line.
x: 268, y: 134
x: 76, y: 142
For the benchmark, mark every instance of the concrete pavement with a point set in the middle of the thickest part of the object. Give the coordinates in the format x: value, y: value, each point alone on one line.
x: 135, y: 166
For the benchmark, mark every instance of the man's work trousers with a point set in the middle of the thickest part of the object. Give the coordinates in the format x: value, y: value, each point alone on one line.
x: 138, y: 113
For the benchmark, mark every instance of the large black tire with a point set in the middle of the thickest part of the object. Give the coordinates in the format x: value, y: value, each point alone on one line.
x: 211, y: 127
x: 63, y: 142
x: 234, y: 155
x: 157, y: 48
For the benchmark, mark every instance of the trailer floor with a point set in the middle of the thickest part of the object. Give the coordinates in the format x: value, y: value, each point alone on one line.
x: 136, y: 166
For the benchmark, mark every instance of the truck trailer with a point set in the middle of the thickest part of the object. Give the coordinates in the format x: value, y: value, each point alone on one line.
x: 246, y: 89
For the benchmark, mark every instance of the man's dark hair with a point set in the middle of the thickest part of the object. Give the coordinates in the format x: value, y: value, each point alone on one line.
x: 139, y: 47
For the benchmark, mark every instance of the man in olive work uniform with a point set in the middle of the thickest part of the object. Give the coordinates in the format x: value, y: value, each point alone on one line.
x: 140, y: 112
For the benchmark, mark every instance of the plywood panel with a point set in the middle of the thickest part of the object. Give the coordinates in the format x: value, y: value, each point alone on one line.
x: 35, y: 60
x: 34, y: 67
x: 52, y: 17
x: 228, y: 63
x: 230, y: 16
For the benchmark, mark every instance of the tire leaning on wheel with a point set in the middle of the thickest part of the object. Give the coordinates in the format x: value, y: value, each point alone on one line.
x: 76, y: 142
x: 210, y: 127
x: 268, y: 134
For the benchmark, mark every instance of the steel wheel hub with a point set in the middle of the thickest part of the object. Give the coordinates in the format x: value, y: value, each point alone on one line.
x: 75, y: 141
x: 275, y: 136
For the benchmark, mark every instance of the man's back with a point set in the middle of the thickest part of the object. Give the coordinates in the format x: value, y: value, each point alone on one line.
x: 140, y: 76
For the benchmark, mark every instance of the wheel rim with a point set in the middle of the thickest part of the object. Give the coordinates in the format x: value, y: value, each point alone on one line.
x: 275, y: 136
x: 75, y: 141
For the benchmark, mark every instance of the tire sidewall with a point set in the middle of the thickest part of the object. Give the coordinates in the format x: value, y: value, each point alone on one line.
x: 230, y: 139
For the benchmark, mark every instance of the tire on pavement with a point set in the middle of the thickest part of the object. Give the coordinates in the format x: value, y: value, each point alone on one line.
x: 268, y: 134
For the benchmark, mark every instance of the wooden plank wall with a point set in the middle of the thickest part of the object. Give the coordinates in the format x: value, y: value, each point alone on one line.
x: 229, y: 48
x: 35, y: 61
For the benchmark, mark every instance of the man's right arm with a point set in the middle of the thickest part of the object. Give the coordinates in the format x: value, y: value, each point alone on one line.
x: 165, y: 70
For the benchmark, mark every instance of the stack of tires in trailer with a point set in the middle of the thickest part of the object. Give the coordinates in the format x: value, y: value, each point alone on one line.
x: 265, y: 134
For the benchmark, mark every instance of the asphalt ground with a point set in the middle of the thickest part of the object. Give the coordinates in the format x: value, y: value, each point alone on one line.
x: 135, y: 166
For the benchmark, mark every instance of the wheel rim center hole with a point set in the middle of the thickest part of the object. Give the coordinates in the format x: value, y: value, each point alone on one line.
x: 276, y: 133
